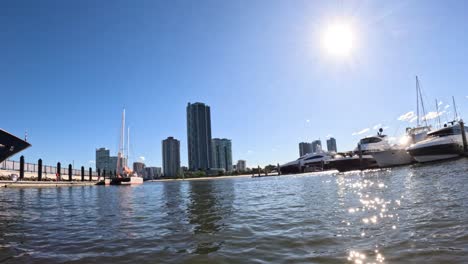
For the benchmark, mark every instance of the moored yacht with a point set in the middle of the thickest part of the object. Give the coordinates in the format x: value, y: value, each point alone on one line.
x: 361, y: 158
x: 309, y: 162
x: 10, y: 145
x: 441, y: 144
x: 396, y: 155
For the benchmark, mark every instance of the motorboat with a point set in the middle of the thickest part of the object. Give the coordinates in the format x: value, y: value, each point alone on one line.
x: 309, y: 162
x: 396, y: 155
x: 440, y: 144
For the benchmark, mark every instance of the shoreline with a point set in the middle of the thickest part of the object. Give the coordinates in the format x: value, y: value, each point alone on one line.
x: 208, y: 178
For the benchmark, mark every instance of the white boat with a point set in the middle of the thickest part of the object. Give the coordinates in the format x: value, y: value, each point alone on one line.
x: 125, y: 176
x: 441, y: 144
x: 396, y: 155
x: 309, y: 162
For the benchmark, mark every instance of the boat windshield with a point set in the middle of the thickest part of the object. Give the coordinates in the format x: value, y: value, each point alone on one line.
x: 315, y: 157
x: 370, y: 140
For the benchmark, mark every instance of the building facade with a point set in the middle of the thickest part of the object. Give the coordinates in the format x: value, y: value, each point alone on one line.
x: 153, y: 172
x: 304, y: 148
x: 171, y: 157
x: 316, y: 146
x: 139, y: 169
x: 241, y: 165
x: 222, y: 154
x: 331, y: 145
x: 102, y: 159
x: 199, y: 136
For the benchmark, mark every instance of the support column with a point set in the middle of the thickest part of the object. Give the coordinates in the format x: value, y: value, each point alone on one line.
x: 82, y: 173
x: 90, y: 174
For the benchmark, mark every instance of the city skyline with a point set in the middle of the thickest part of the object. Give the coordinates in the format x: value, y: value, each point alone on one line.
x: 72, y: 80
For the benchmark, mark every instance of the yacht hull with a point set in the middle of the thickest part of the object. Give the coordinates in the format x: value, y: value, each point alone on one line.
x: 392, y: 157
x: 352, y: 163
x: 436, y: 152
x: 126, y: 181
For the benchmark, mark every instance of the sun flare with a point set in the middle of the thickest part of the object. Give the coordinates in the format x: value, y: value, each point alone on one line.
x: 338, y: 39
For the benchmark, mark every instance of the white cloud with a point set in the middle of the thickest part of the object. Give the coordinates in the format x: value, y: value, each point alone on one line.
x: 413, y: 119
x: 377, y: 126
x: 91, y: 161
x: 365, y: 130
x: 432, y: 115
x: 407, y: 116
x: 141, y: 158
x: 385, y: 127
x: 249, y: 151
x: 441, y: 103
x: 307, y: 121
x: 329, y: 135
x: 447, y: 106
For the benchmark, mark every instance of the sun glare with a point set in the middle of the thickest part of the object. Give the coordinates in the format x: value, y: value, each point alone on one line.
x: 338, y: 39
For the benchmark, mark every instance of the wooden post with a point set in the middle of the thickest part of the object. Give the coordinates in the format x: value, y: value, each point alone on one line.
x: 82, y: 173
x: 90, y: 174
x: 39, y: 170
x: 21, y: 176
x: 99, y: 174
x: 70, y: 172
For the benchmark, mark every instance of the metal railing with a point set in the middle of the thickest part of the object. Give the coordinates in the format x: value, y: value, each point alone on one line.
x: 31, y: 167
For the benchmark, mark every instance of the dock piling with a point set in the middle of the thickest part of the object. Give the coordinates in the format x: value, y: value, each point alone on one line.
x: 39, y: 170
x: 70, y: 172
x: 82, y: 173
x: 21, y: 176
x: 90, y: 174
x: 463, y: 132
x: 59, y: 172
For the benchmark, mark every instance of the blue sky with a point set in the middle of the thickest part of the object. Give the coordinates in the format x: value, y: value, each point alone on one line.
x: 69, y: 67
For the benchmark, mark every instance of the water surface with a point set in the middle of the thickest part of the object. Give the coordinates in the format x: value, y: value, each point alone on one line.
x: 413, y: 214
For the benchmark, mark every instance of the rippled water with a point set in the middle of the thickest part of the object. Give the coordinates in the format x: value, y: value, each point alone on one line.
x: 407, y: 214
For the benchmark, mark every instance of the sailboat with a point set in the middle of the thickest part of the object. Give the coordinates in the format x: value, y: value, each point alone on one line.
x: 396, y: 155
x: 125, y: 175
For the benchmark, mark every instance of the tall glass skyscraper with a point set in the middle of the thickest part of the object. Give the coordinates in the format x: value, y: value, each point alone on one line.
x: 199, y: 136
x: 171, y: 157
x: 331, y: 144
x: 222, y: 154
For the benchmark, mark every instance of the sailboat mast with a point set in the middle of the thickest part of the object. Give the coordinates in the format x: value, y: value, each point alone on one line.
x: 417, y: 100
x: 422, y: 102
x: 455, y: 108
x: 128, y: 146
x: 437, y: 108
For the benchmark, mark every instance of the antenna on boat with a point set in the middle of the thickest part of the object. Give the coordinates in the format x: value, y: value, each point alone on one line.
x: 455, y: 108
x: 422, y: 102
x: 26, y: 136
x: 121, y: 154
x: 437, y: 108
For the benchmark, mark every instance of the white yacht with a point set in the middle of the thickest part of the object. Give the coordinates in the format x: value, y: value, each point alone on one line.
x: 443, y: 143
x: 396, y: 155
x: 307, y: 163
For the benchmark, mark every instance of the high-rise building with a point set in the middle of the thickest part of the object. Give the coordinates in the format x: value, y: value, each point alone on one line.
x: 304, y: 148
x: 331, y: 144
x: 112, y: 164
x: 171, y: 157
x: 102, y: 159
x: 316, y: 146
x: 153, y: 172
x: 199, y: 136
x: 139, y: 168
x: 222, y: 154
x: 241, y: 165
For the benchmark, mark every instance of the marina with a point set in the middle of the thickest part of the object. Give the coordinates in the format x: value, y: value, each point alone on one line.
x: 409, y: 214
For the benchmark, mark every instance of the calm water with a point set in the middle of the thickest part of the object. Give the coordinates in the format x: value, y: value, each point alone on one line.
x: 409, y: 214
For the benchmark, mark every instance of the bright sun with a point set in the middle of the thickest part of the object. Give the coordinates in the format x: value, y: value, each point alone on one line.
x: 338, y: 39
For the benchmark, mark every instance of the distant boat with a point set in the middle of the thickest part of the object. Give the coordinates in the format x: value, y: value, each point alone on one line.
x: 10, y: 145
x: 125, y: 175
x: 309, y: 162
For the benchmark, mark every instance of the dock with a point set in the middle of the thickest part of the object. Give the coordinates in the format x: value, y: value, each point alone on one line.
x: 27, y: 184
